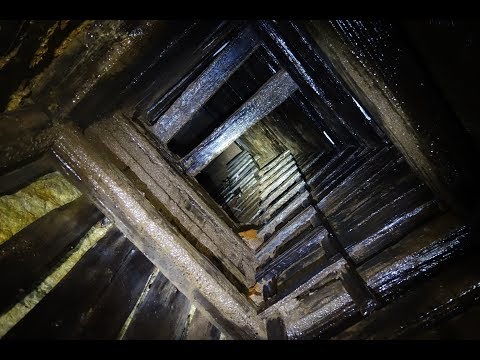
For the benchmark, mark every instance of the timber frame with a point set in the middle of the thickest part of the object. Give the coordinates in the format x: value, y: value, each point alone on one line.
x: 122, y: 163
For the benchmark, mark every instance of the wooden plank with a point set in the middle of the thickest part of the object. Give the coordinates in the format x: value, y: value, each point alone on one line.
x: 201, y: 329
x: 157, y: 238
x: 272, y: 165
x: 292, y: 47
x: 277, y: 194
x: 184, y: 56
x: 269, y: 228
x: 343, y: 190
x: 400, y: 95
x: 393, y: 223
x: 463, y: 325
x: 343, y: 170
x: 19, y: 178
x: 307, y: 244
x: 177, y: 197
x: 283, y: 199
x: 324, y: 312
x: 318, y: 175
x: 267, y: 98
x: 24, y: 134
x: 205, y: 85
x: 277, y: 180
x: 294, y: 227
x: 328, y: 269
x: 28, y: 255
x: 28, y: 121
x: 441, y: 295
x: 368, y: 189
x: 161, y: 315
x: 424, y: 248
x: 94, y: 299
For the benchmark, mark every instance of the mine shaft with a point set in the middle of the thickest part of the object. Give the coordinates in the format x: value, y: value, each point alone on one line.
x: 239, y: 179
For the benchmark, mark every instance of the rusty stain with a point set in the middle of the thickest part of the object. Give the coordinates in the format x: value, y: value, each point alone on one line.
x: 254, y: 290
x: 249, y: 234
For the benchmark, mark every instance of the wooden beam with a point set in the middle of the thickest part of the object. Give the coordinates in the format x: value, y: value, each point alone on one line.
x: 28, y: 256
x: 24, y: 135
x: 447, y: 293
x: 266, y: 99
x: 389, y: 274
x: 293, y: 228
x: 17, y: 179
x: 399, y: 95
x: 201, y: 329
x: 156, y: 237
x: 325, y: 92
x: 93, y: 300
x: 161, y: 314
x: 183, y: 58
x: 204, y: 86
x: 177, y: 197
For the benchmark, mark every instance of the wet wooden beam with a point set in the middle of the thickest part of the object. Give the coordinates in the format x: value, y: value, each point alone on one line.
x: 387, y: 203
x: 27, y: 257
x: 327, y: 94
x: 98, y: 57
x: 393, y: 229
x: 176, y: 197
x: 272, y: 175
x: 245, y: 168
x: 278, y: 195
x: 201, y: 329
x: 276, y: 329
x: 17, y: 179
x: 327, y: 270
x: 277, y: 180
x: 267, y: 98
x: 24, y: 135
x: 374, y: 59
x: 94, y: 299
x: 400, y: 264
x: 274, y: 163
x: 348, y: 165
x: 272, y: 224
x: 156, y: 237
x: 283, y: 199
x: 416, y: 257
x: 161, y: 314
x: 205, y: 85
x: 455, y: 320
x: 293, y: 228
x: 362, y: 295
x: 315, y: 308
x: 375, y: 172
x: 319, y: 174
x: 307, y: 244
x: 187, y: 55
x: 444, y: 295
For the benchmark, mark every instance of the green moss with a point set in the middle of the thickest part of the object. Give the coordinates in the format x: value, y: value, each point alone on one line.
x: 32, y: 202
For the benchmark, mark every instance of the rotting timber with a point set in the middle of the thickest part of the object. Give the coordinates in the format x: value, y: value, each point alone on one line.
x: 261, y: 179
